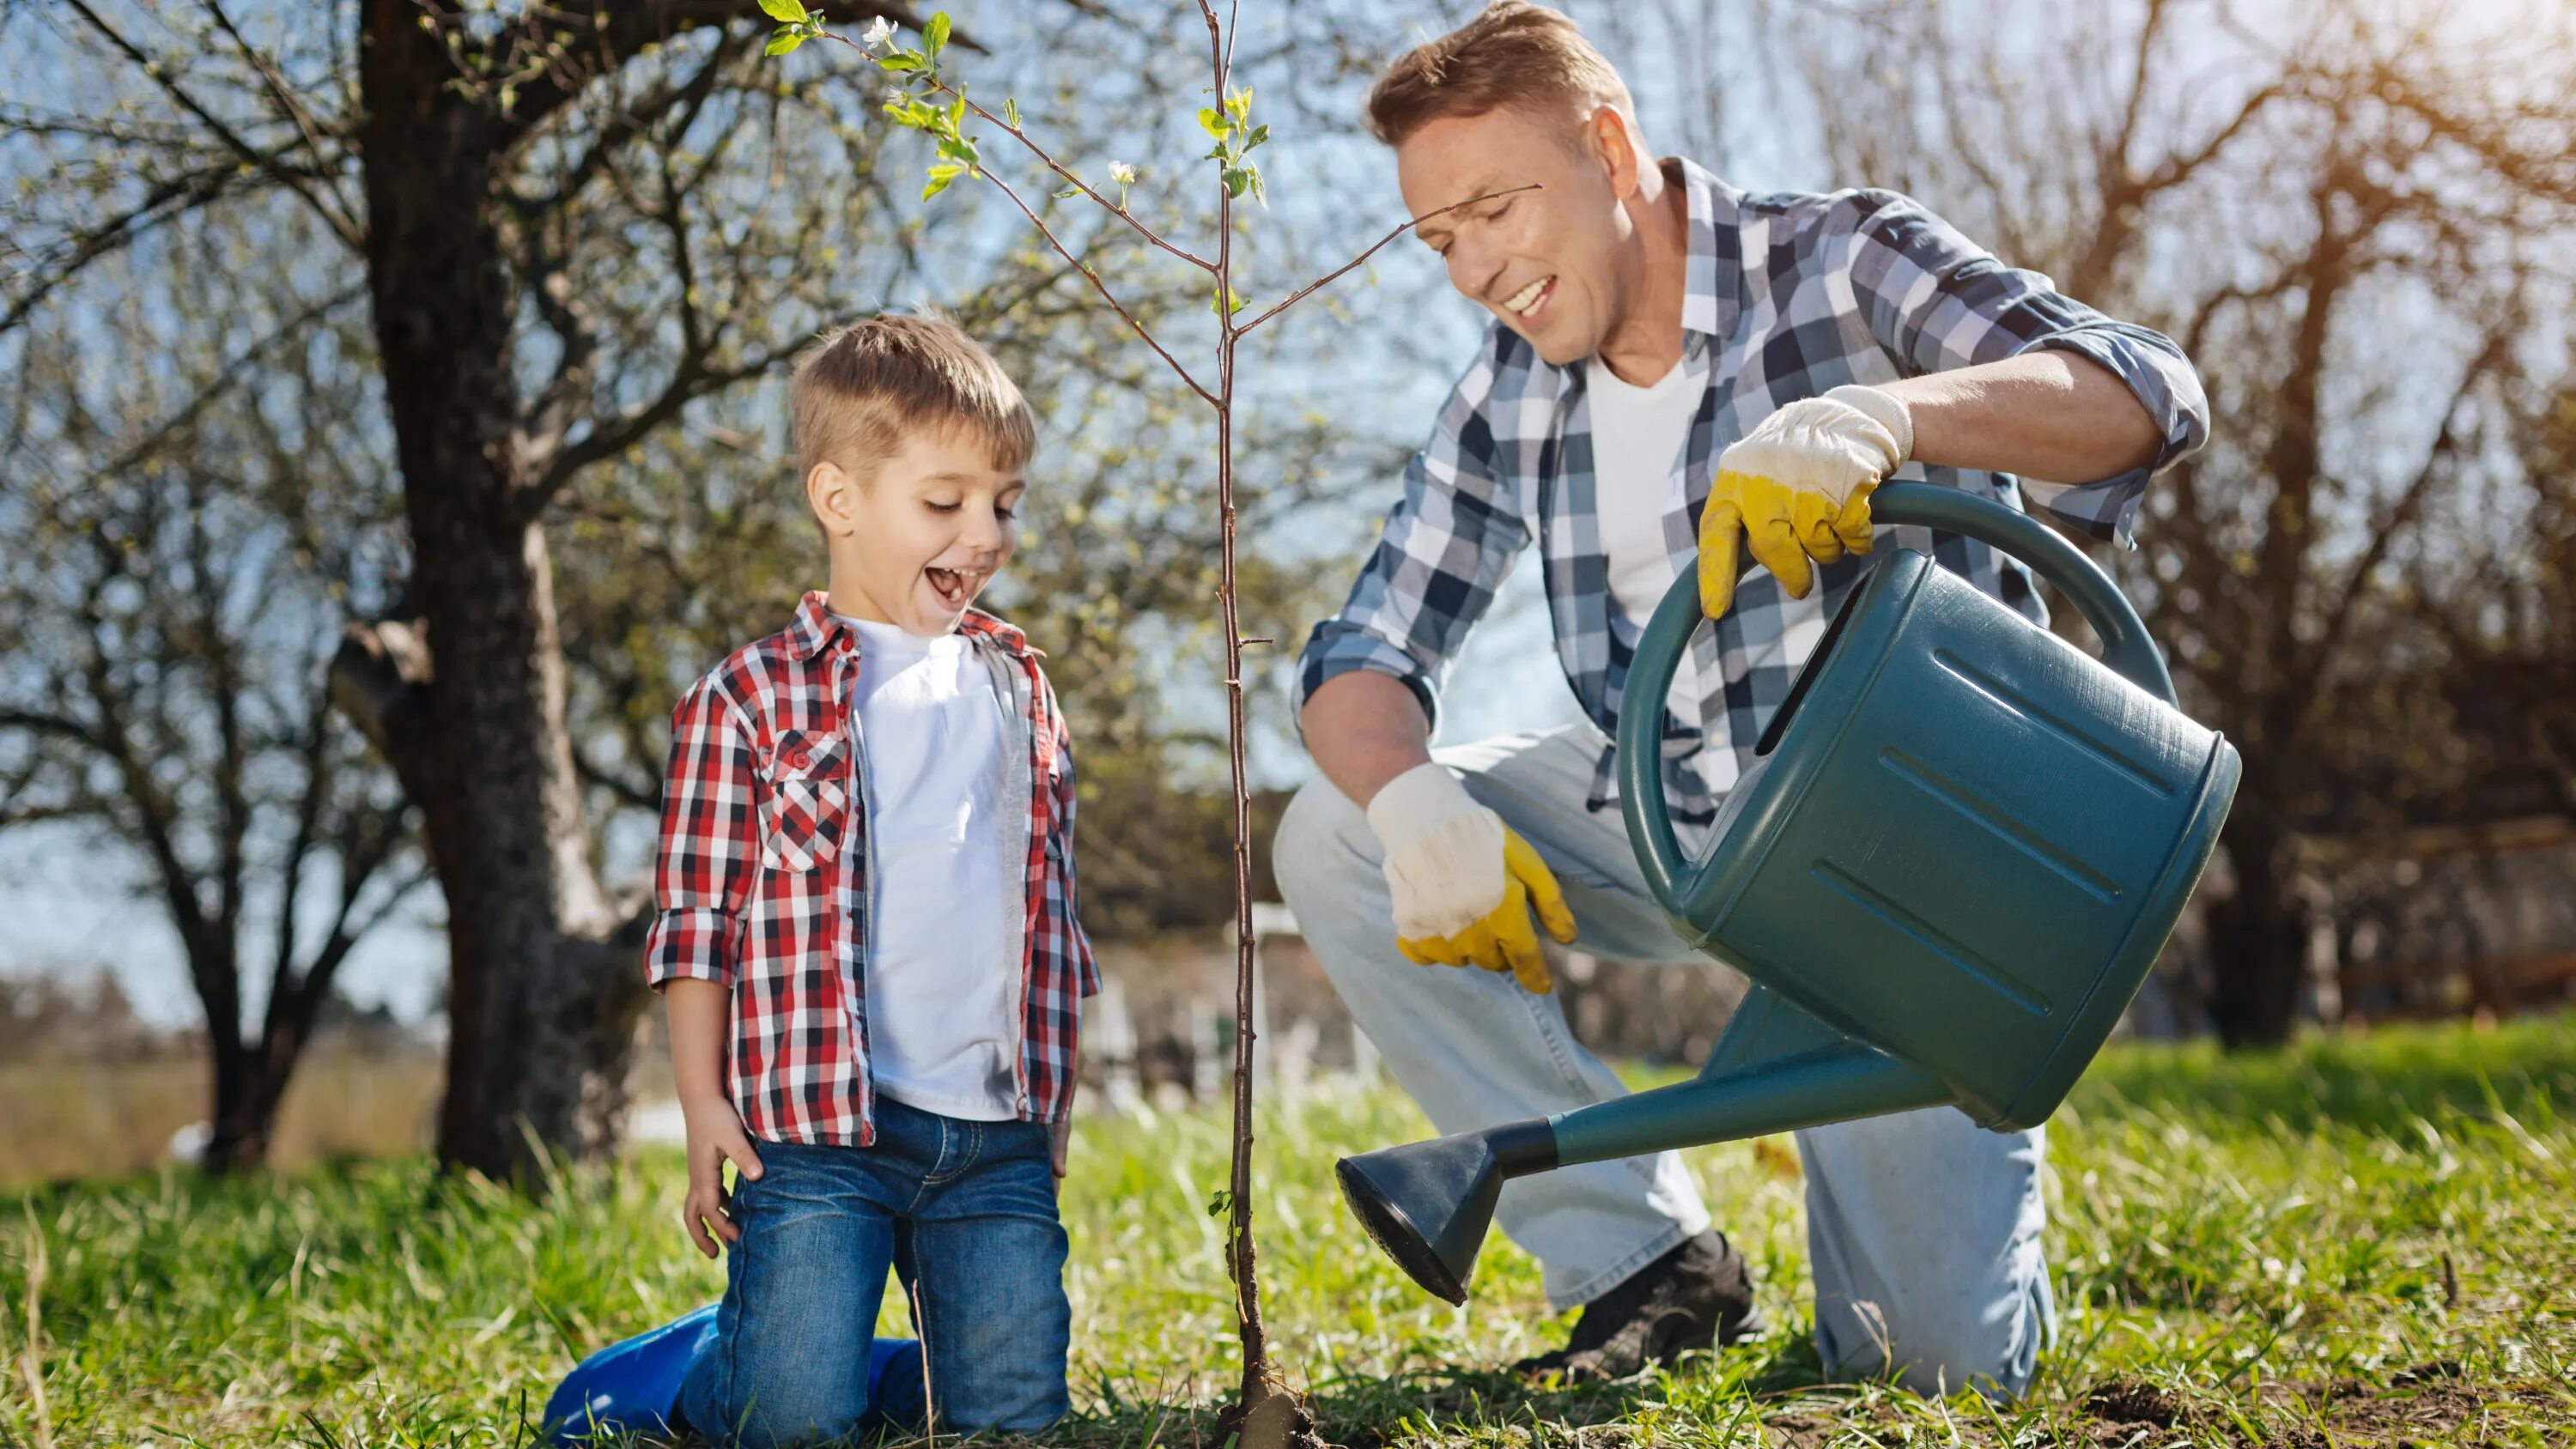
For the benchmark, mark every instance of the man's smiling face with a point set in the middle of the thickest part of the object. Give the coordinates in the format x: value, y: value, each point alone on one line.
x: 1552, y: 263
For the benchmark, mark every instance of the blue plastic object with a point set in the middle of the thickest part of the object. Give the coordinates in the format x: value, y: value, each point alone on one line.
x: 634, y: 1387
x: 1957, y: 853
x: 631, y: 1387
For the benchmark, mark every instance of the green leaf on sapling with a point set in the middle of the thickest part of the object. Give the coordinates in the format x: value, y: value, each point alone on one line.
x: 787, y: 10
x: 934, y: 36
x: 1213, y: 122
x: 783, y: 42
x: 940, y: 175
x: 901, y: 60
x: 1011, y: 113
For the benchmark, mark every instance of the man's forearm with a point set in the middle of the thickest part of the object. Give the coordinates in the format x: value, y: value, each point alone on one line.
x: 1364, y: 729
x: 2056, y: 416
x: 697, y: 1010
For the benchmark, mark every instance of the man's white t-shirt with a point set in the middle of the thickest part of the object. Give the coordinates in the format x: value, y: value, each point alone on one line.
x: 1637, y: 437
x: 942, y: 992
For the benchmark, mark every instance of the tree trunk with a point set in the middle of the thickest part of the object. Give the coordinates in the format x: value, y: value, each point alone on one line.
x: 536, y: 1022
x: 248, y: 1093
x: 245, y: 1110
x: 2258, y: 941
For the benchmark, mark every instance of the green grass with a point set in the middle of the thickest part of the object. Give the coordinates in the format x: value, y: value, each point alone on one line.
x: 2251, y: 1251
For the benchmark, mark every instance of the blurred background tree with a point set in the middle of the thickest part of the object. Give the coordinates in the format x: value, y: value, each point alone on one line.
x: 187, y: 528
x: 2356, y: 218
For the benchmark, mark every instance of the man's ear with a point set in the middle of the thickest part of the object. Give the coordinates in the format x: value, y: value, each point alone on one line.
x: 833, y: 495
x: 1607, y: 132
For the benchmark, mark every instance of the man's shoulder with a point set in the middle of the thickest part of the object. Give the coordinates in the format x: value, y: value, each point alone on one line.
x: 1824, y: 213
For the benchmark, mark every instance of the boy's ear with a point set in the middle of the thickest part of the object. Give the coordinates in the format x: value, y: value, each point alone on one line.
x: 832, y: 493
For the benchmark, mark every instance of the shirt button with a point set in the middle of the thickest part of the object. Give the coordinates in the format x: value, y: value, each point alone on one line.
x: 799, y: 760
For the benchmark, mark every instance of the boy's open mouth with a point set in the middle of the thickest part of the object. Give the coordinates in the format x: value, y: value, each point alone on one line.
x: 953, y: 586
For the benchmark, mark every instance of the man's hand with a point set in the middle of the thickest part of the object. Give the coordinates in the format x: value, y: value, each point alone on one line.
x: 1464, y: 883
x: 1798, y: 488
x: 715, y: 1138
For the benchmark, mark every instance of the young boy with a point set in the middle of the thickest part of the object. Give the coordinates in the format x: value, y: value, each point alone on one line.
x: 868, y: 948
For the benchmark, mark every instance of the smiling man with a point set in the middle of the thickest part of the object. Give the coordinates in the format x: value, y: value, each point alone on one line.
x: 1677, y: 374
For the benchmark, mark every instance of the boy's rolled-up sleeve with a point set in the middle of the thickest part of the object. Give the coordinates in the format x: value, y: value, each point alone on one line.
x: 1936, y: 301
x: 709, y: 846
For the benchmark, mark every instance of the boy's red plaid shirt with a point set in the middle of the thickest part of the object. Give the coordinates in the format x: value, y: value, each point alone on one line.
x: 761, y: 878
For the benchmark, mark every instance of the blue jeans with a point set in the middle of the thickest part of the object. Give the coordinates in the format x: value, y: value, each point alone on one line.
x: 1923, y: 1231
x: 965, y: 1214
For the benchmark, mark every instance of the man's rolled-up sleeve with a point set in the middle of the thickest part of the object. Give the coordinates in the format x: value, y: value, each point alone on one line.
x: 709, y: 846
x: 1937, y: 301
x: 1446, y: 547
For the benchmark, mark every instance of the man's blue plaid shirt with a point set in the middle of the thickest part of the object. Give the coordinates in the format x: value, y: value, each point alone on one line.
x: 1789, y: 295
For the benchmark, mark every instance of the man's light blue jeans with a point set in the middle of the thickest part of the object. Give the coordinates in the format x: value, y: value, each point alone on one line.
x: 1923, y: 1230
x: 965, y: 1212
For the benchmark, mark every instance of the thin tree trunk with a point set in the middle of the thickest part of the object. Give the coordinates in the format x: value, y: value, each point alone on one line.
x: 245, y: 1109
x: 2258, y: 939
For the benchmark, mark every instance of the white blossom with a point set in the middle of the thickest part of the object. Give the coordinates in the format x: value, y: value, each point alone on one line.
x: 1122, y: 173
x: 880, y: 33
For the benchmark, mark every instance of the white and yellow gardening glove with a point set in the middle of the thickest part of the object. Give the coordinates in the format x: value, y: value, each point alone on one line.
x: 1797, y: 487
x: 1464, y: 882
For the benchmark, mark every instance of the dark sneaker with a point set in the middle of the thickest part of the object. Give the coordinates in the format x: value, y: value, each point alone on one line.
x: 1698, y: 1295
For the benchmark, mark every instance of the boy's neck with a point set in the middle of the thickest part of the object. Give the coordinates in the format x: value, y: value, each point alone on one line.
x: 843, y: 596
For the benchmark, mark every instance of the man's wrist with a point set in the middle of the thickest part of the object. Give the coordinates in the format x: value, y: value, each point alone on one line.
x: 1885, y: 409
x: 1416, y: 803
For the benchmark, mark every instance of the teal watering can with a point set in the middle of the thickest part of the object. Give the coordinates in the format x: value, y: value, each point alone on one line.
x: 1959, y: 847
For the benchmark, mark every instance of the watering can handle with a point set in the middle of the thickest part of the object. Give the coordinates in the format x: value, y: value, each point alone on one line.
x: 2126, y: 649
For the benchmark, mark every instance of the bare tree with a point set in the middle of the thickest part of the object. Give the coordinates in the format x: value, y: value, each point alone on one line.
x: 2344, y: 225
x: 187, y: 512
x: 569, y: 223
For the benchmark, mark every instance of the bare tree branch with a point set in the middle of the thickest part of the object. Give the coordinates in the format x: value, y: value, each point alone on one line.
x: 270, y: 163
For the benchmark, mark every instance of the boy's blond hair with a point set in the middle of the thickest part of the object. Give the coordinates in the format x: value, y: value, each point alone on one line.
x: 860, y: 388
x: 1515, y: 54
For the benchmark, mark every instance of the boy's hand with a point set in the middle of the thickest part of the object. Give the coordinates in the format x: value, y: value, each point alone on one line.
x: 1059, y: 1141
x: 715, y: 1137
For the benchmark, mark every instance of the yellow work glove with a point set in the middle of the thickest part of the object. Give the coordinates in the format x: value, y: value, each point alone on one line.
x: 1464, y: 883
x: 1797, y: 488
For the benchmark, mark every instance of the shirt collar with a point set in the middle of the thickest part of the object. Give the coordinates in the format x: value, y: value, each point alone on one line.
x: 1713, y: 278
x: 814, y: 628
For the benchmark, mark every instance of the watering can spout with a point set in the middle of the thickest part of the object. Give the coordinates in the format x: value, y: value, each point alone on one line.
x: 1428, y: 1204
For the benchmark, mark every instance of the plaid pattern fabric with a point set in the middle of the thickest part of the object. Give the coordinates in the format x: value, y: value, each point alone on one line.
x: 760, y: 878
x: 1788, y: 296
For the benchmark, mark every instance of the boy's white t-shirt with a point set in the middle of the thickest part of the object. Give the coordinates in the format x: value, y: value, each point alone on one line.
x: 1637, y: 436
x: 942, y: 993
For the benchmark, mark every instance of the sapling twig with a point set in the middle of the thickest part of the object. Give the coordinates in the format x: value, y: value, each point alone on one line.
x: 1265, y: 1413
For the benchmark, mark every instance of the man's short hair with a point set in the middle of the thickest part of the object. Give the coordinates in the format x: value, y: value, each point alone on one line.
x: 1515, y: 54
x: 860, y: 389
